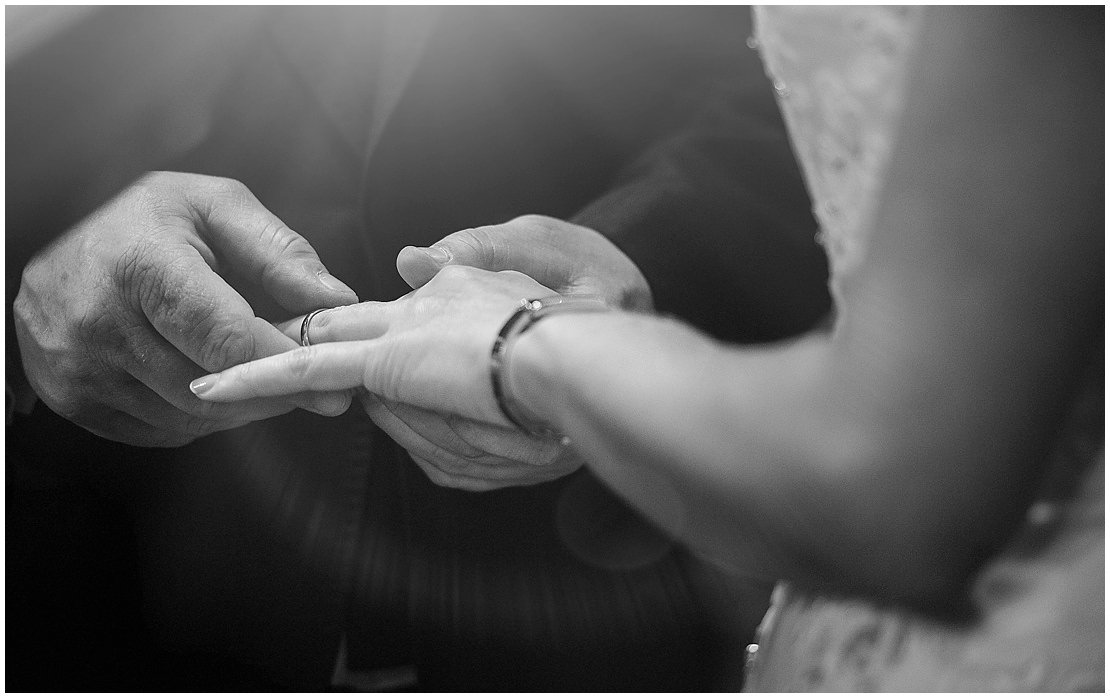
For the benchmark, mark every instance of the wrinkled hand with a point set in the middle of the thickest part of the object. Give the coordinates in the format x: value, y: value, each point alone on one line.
x: 115, y: 317
x: 568, y: 258
x: 424, y: 359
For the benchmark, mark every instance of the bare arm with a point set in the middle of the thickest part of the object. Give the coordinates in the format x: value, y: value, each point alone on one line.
x: 894, y: 453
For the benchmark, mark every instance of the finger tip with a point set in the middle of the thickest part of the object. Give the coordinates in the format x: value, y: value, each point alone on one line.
x: 332, y: 404
x: 201, y: 386
x: 336, y: 287
x: 416, y: 266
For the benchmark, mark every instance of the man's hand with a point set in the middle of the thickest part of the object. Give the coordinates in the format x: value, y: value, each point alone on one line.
x: 563, y: 256
x: 115, y: 317
x: 568, y: 258
x: 468, y: 454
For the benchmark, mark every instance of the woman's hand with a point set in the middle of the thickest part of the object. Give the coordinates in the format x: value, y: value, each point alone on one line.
x: 429, y: 348
x: 424, y: 362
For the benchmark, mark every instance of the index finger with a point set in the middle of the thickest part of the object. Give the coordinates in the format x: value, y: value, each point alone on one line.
x: 336, y: 366
x: 201, y: 315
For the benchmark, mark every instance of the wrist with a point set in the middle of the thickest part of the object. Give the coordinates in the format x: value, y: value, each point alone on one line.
x: 536, y: 375
x: 516, y: 398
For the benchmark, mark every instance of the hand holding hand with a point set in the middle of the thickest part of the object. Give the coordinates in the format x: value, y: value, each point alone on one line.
x: 568, y: 258
x: 424, y: 359
x: 469, y: 454
x: 117, y: 315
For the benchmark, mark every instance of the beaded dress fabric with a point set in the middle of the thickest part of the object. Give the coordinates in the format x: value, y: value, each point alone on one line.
x: 1040, y: 603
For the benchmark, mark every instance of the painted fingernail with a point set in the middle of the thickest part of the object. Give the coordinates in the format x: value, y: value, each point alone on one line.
x: 333, y: 283
x: 203, y: 384
x: 438, y: 254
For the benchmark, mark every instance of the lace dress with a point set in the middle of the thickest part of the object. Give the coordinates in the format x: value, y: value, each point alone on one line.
x: 839, y: 74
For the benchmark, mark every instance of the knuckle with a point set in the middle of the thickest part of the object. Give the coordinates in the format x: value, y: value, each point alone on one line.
x: 149, y: 187
x: 514, y: 279
x: 65, y: 387
x: 534, y: 222
x: 100, y: 332
x: 127, y: 269
x: 226, y: 344
x: 136, y: 267
x: 229, y: 187
x: 476, y: 244
x: 25, y: 309
x: 300, y: 362
x: 211, y: 194
x: 282, y: 244
x: 157, y: 196
x: 531, y: 219
x: 453, y: 276
x: 453, y: 273
x: 156, y: 179
x: 281, y: 238
x: 33, y: 275
x: 21, y: 310
x: 474, y: 238
x: 149, y: 283
x: 181, y: 307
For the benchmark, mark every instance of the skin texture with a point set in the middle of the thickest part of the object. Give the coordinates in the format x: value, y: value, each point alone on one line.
x: 887, y: 456
x: 119, y: 311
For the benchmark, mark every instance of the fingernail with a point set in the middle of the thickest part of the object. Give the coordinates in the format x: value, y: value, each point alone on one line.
x: 203, y: 384
x: 333, y: 283
x: 438, y: 254
x: 331, y: 404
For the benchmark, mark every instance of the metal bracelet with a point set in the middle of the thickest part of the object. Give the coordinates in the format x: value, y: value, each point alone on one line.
x: 530, y: 311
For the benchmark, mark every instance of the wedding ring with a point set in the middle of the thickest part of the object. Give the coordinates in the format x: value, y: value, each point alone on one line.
x: 305, y: 341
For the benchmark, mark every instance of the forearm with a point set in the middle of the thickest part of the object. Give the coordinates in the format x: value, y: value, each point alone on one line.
x: 731, y: 449
x: 780, y: 460
x: 896, y: 453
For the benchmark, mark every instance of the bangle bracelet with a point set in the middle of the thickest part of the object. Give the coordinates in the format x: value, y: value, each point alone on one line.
x: 525, y: 316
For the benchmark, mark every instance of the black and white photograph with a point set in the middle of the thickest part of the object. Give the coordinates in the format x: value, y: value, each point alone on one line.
x: 554, y: 348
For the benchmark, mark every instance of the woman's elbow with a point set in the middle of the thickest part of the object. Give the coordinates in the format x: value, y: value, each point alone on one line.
x: 923, y: 536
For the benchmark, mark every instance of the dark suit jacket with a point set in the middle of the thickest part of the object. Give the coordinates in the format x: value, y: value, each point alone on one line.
x: 238, y: 561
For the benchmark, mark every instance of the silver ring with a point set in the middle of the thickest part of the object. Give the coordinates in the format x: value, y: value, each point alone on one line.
x: 305, y: 341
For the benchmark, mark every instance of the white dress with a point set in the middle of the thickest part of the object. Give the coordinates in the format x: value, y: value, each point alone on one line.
x: 839, y: 74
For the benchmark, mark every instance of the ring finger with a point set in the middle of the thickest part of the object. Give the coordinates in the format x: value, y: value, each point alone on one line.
x: 366, y: 320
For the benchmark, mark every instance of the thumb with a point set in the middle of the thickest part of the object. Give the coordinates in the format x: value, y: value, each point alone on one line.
x: 417, y: 265
x: 269, y: 253
x: 509, y: 246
